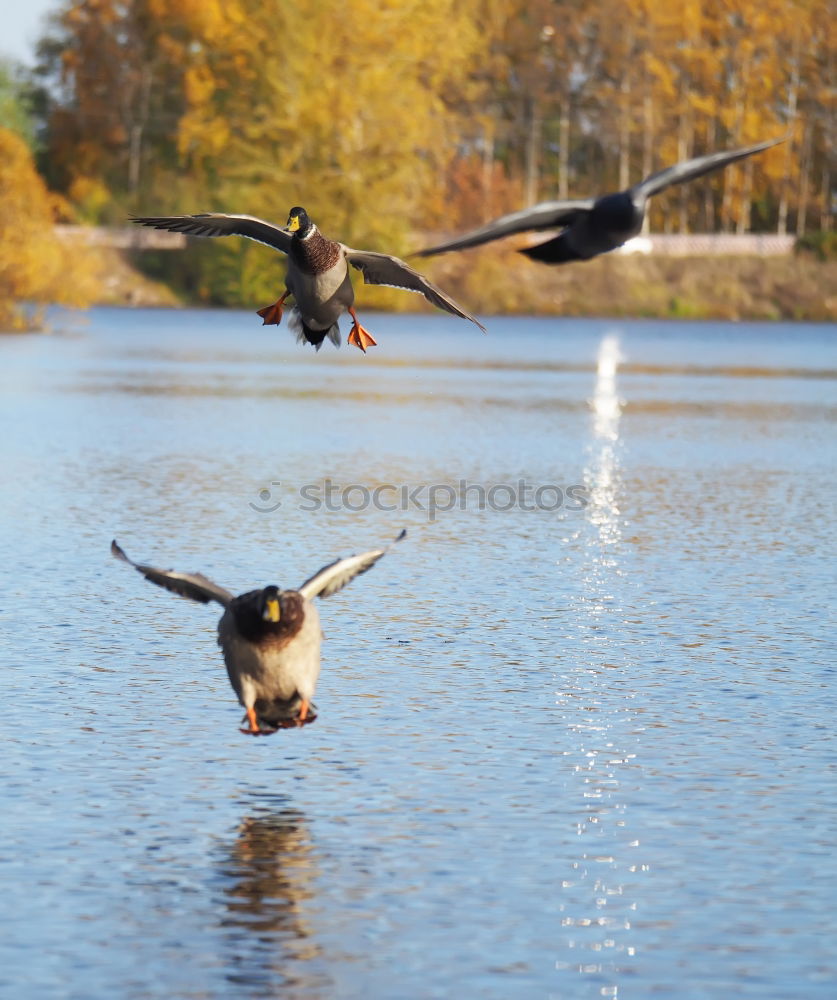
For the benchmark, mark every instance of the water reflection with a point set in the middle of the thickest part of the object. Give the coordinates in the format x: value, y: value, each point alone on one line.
x: 268, y: 873
x: 596, y: 703
x: 602, y: 475
x: 495, y: 848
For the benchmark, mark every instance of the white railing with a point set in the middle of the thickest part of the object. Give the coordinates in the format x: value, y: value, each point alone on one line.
x: 121, y: 237
x: 711, y: 244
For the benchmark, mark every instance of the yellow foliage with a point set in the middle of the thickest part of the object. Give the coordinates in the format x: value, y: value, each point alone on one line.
x: 90, y: 196
x: 383, y: 116
x: 198, y: 84
x: 34, y: 265
x: 333, y: 104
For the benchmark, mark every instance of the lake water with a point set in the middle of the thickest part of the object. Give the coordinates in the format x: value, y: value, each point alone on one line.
x: 572, y: 744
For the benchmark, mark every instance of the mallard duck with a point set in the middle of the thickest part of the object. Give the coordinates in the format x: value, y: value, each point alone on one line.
x: 318, y: 272
x: 270, y: 637
x: 595, y: 225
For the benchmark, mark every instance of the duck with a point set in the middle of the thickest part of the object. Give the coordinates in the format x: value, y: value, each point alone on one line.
x: 318, y: 276
x: 595, y: 226
x: 270, y: 638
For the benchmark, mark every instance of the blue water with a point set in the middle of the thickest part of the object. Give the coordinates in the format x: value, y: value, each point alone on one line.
x: 581, y: 750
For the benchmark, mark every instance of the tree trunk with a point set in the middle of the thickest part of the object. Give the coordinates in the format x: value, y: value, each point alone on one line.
x: 564, y: 148
x: 708, y: 193
x: 804, y: 180
x: 647, y: 145
x: 731, y: 174
x: 625, y: 134
x: 793, y: 96
x: 743, y: 223
x: 134, y: 154
x: 533, y: 140
x: 684, y: 151
x: 135, y: 135
x: 488, y: 145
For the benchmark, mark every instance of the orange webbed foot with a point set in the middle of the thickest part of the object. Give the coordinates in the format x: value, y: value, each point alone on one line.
x: 303, y: 712
x: 254, y: 724
x: 272, y: 315
x: 359, y: 336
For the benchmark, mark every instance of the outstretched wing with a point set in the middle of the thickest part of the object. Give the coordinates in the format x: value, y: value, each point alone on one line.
x: 688, y: 170
x: 221, y: 225
x: 547, y: 215
x: 336, y: 575
x: 191, y: 585
x: 382, y: 269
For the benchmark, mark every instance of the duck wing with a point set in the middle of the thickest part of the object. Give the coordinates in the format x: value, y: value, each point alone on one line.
x: 195, y: 586
x: 547, y: 215
x: 383, y: 269
x: 214, y: 224
x: 688, y: 170
x: 336, y: 575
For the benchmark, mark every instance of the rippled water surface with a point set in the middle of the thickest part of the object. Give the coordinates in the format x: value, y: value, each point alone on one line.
x: 570, y: 745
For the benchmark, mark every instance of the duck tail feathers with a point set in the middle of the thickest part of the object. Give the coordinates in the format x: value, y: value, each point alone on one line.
x: 555, y: 251
x: 305, y: 335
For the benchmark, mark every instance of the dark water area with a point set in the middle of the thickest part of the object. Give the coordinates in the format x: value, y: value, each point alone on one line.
x: 576, y: 734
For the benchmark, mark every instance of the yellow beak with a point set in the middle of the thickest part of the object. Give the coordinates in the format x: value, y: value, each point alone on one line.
x: 272, y: 610
x: 293, y: 223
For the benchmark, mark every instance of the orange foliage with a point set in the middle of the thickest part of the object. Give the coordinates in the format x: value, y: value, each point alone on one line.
x: 385, y: 117
x: 34, y: 266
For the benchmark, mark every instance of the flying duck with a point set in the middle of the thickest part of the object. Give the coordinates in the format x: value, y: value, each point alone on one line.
x: 318, y: 272
x: 595, y: 225
x: 270, y: 637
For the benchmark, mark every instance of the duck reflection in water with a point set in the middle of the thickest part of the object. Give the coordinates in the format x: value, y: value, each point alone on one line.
x: 268, y: 874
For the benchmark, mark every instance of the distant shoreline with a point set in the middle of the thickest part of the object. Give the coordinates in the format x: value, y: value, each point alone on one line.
x: 497, y: 281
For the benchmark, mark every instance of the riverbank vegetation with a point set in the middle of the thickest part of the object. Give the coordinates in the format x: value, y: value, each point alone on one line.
x: 795, y: 287
x: 35, y: 268
x: 494, y: 280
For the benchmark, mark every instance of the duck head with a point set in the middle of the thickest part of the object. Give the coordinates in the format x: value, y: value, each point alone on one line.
x: 298, y: 222
x: 271, y: 606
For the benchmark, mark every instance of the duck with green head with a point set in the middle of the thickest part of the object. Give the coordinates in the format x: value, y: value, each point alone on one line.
x: 318, y: 276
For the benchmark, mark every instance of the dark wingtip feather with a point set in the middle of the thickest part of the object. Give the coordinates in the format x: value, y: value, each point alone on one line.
x: 117, y: 552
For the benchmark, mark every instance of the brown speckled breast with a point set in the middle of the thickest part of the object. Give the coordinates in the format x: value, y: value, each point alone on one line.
x: 315, y: 254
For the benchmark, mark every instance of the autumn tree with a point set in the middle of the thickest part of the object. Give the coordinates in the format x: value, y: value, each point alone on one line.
x: 16, y: 113
x: 111, y: 87
x: 384, y: 117
x: 34, y: 266
x: 600, y: 93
